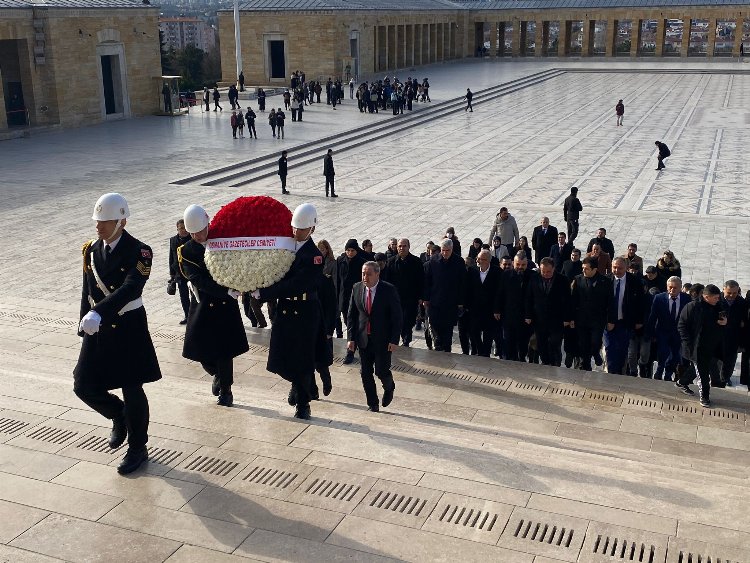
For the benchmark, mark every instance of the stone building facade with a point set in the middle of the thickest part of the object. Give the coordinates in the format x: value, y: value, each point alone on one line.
x: 74, y: 62
x: 361, y: 37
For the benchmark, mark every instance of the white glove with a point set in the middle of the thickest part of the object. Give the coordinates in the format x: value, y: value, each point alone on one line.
x: 234, y: 294
x: 90, y: 323
x: 255, y: 294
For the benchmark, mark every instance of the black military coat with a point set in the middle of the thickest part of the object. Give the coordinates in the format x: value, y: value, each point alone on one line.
x: 214, y: 329
x: 298, y: 339
x: 121, y: 353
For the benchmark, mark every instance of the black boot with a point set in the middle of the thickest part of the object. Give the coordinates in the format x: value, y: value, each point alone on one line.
x: 349, y: 357
x: 133, y: 459
x: 303, y: 412
x: 216, y: 386
x: 292, y: 397
x: 325, y: 376
x: 226, y: 399
x: 119, y: 432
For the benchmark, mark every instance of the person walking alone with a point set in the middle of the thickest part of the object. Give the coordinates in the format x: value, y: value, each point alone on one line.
x: 571, y: 209
x: 282, y: 172
x: 329, y: 172
x: 664, y: 152
x: 619, y: 111
x: 468, y: 98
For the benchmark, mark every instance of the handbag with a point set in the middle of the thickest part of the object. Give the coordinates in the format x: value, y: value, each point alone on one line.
x: 171, y: 286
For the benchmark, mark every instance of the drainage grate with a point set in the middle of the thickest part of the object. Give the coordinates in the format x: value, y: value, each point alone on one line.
x: 492, y: 381
x: 332, y: 489
x: 720, y: 413
x: 565, y: 392
x: 162, y: 456
x: 44, y: 320
x: 97, y: 444
x: 528, y: 387
x: 270, y: 477
x: 460, y: 376
x: 681, y: 408
x: 624, y: 550
x: 211, y: 465
x: 431, y: 372
x: 646, y: 403
x: 543, y: 533
x: 168, y: 336
x: 64, y: 322
x: 689, y: 557
x: 461, y: 516
x: 395, y: 502
x: 609, y: 398
x: 51, y: 434
x: 11, y: 425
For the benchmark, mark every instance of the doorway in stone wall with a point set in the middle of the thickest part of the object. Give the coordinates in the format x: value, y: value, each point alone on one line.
x: 276, y: 60
x: 113, y: 94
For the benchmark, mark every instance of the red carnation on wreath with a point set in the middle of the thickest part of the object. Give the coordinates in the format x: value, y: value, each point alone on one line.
x: 250, y: 243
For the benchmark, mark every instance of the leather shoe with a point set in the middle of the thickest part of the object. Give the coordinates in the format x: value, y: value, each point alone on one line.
x: 327, y: 388
x: 119, y: 432
x: 388, y: 394
x: 303, y: 412
x: 133, y: 459
x: 349, y: 358
x: 598, y: 359
x: 225, y: 399
x: 183, y: 322
x: 216, y: 386
x: 373, y: 408
x: 291, y: 398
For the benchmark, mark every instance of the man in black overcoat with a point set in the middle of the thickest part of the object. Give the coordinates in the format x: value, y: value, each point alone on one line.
x: 542, y: 239
x: 116, y: 351
x: 548, y: 310
x: 481, y: 290
x: 348, y: 272
x: 591, y: 309
x: 510, y: 309
x: 443, y: 294
x: 406, y: 272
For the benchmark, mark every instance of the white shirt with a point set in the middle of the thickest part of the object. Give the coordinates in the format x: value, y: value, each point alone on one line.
x: 622, y: 294
x: 372, y: 290
x: 483, y: 275
x: 113, y: 243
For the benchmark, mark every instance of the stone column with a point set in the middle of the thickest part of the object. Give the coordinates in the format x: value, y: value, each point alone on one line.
x: 635, y: 37
x: 515, y: 44
x: 685, y: 37
x: 737, y: 37
x: 501, y: 39
x: 563, y: 39
x: 539, y: 37
x: 587, y: 48
x: 522, y: 38
x: 661, y: 36
x: 392, y: 53
x: 609, y: 48
x: 711, y: 43
x: 493, y: 40
x: 3, y: 115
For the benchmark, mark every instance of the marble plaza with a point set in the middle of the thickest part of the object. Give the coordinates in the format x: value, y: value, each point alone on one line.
x: 475, y: 460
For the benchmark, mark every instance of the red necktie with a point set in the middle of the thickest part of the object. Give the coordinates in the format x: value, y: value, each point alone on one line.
x: 368, y: 306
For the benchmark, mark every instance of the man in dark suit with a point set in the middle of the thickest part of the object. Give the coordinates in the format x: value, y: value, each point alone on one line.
x: 591, y: 310
x: 329, y: 172
x: 571, y: 211
x: 548, y: 310
x: 283, y: 172
x: 406, y: 272
x: 374, y: 326
x: 175, y: 242
x: 510, y: 309
x: 627, y: 316
x: 573, y: 267
x: 542, y: 239
x: 736, y: 307
x: 443, y: 294
x: 605, y: 243
x: 481, y: 290
x: 560, y: 252
x: 662, y: 324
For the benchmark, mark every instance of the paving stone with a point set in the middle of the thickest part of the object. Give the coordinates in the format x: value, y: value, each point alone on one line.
x: 605, y: 543
x: 73, y: 539
x: 14, y: 423
x: 16, y: 519
x: 14, y: 555
x: 28, y: 463
x: 193, y: 554
x: 265, y: 513
x: 475, y: 489
x: 468, y: 518
x: 406, y: 544
x: 661, y: 428
x: 397, y: 503
x: 603, y: 436
x: 179, y: 526
x: 717, y: 535
x: 147, y: 489
x: 605, y: 514
x: 270, y: 477
x: 681, y: 550
x: 724, y: 438
x: 278, y: 548
x: 544, y: 533
x: 363, y: 467
x: 211, y: 466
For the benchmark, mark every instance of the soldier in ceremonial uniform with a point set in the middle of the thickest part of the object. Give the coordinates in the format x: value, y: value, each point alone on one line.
x: 116, y: 352
x: 214, y: 335
x: 298, y: 339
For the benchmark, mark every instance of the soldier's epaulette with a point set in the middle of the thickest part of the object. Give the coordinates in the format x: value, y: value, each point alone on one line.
x: 84, y: 253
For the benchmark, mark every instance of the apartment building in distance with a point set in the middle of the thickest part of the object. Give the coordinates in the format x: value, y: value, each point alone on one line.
x: 179, y: 32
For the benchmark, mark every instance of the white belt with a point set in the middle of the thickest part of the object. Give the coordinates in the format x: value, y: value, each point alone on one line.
x: 132, y: 306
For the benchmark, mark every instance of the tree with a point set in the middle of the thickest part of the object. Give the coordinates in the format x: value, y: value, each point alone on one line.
x: 167, y: 56
x: 190, y: 67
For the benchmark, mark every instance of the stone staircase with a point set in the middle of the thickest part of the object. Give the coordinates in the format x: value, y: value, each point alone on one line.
x: 476, y: 459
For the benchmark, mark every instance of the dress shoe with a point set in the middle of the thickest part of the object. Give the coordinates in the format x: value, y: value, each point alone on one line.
x: 119, y: 432
x: 418, y: 327
x: 292, y: 397
x: 225, y: 399
x: 314, y: 393
x: 349, y: 358
x: 334, y: 195
x: 262, y: 323
x: 183, y: 322
x: 216, y: 386
x: 598, y: 359
x: 373, y: 408
x: 133, y: 459
x: 327, y: 388
x: 388, y: 394
x: 303, y: 412
x: 684, y: 388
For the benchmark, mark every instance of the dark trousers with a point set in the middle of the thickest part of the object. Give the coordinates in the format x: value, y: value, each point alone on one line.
x: 668, y: 353
x: 745, y: 368
x: 703, y: 367
x: 516, y: 338
x: 184, y: 290
x: 283, y: 183
x: 251, y: 130
x: 329, y: 184
x: 572, y: 229
x: 323, y: 370
x: 442, y: 333
x: 375, y: 362
x: 409, y: 316
x: 134, y: 407
x: 639, y: 354
x: 589, y: 343
x: 485, y: 332
x: 570, y: 345
x: 302, y: 384
x: 723, y: 368
x: 661, y: 162
x: 465, y: 335
x: 549, y: 345
x: 616, y: 343
x: 223, y: 369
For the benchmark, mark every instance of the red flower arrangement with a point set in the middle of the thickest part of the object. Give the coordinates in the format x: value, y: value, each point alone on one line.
x: 252, y: 216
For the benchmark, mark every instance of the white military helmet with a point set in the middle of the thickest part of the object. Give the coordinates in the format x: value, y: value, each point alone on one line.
x: 111, y: 207
x: 305, y: 216
x: 196, y: 219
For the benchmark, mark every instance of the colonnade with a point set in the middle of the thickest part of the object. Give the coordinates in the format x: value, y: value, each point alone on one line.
x: 404, y: 45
